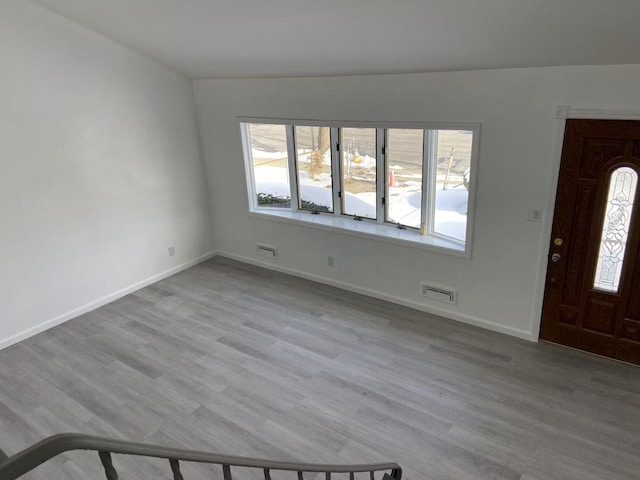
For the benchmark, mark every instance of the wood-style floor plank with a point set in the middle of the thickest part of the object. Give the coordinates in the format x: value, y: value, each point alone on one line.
x: 232, y: 358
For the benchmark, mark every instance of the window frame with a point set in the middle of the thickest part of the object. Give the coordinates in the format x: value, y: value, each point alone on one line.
x: 425, y: 237
x: 341, y: 173
x: 292, y: 155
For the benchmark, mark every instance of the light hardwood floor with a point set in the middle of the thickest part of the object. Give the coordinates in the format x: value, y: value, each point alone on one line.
x: 232, y: 358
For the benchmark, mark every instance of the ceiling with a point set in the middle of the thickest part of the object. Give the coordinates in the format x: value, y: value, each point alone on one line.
x: 278, y: 38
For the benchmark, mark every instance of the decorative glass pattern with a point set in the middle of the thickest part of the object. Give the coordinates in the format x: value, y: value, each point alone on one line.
x: 615, y: 229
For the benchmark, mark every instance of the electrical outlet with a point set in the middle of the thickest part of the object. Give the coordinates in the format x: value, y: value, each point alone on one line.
x: 330, y: 260
x: 172, y: 251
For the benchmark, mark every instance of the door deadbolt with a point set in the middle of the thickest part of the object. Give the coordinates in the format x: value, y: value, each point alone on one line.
x: 555, y: 258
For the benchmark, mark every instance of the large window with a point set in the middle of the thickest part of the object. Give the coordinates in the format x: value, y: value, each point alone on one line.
x: 407, y: 183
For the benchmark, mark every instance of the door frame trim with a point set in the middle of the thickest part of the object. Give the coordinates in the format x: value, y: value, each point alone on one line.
x: 563, y: 112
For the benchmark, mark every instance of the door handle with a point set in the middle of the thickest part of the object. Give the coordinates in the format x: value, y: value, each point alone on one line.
x: 555, y: 258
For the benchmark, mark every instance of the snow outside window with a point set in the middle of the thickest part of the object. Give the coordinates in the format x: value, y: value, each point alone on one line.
x: 386, y: 178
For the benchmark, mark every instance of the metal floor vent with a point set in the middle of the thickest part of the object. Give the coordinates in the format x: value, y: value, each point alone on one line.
x: 439, y: 294
x: 266, y: 251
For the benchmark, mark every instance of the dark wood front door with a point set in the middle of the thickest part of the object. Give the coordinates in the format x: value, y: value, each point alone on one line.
x: 592, y: 292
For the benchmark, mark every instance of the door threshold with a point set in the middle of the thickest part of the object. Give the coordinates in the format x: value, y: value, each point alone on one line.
x: 540, y: 340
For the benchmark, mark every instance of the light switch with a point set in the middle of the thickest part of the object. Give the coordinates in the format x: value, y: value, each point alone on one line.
x: 534, y: 215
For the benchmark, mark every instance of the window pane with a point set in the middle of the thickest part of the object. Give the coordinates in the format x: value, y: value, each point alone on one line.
x: 452, y: 183
x: 270, y: 165
x: 615, y: 229
x: 313, y: 163
x: 358, y: 156
x: 404, y: 176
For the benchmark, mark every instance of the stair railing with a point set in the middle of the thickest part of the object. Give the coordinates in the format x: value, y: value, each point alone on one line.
x: 17, y: 465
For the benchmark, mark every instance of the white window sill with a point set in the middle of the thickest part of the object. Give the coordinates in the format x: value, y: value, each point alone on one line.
x: 348, y: 226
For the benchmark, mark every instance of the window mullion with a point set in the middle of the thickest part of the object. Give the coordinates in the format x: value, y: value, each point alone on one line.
x: 248, y: 161
x: 293, y: 172
x: 429, y: 174
x: 336, y: 177
x: 381, y: 178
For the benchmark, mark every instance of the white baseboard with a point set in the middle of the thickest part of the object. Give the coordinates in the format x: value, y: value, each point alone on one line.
x: 523, y: 334
x: 478, y: 322
x: 100, y: 302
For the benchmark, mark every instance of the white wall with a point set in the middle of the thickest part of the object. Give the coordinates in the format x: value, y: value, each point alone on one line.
x: 499, y: 286
x: 100, y: 170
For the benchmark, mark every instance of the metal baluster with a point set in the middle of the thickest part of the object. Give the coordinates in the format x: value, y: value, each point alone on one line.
x: 226, y: 472
x: 267, y: 474
x: 175, y: 468
x: 300, y: 477
x: 109, y: 469
x: 372, y: 475
x: 352, y: 476
x: 327, y: 476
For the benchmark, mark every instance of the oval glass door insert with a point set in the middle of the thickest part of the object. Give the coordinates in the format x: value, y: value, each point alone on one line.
x: 615, y: 229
